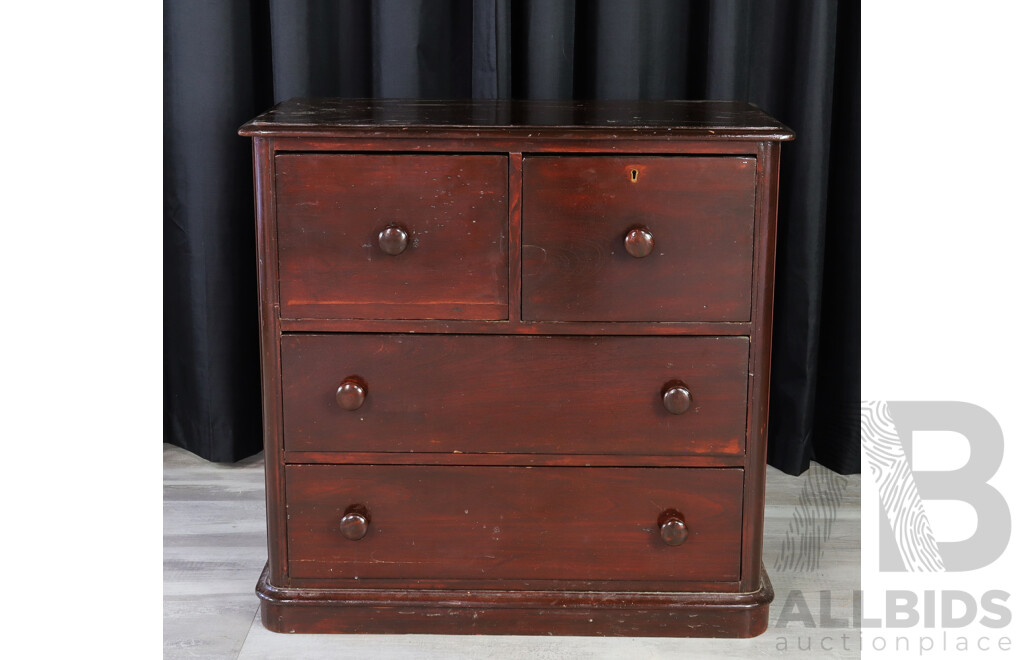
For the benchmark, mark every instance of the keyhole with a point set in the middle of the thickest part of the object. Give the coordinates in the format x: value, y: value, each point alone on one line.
x: 632, y: 175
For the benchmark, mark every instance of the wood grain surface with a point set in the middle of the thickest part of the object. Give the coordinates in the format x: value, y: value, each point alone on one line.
x: 331, y: 209
x: 578, y: 211
x: 548, y: 395
x: 394, y: 118
x: 513, y: 523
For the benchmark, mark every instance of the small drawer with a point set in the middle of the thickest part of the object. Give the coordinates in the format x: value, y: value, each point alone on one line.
x: 514, y: 523
x: 515, y: 394
x: 638, y: 238
x: 365, y: 236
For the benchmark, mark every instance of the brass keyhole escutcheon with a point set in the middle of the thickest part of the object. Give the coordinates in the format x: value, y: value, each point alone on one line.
x: 633, y: 174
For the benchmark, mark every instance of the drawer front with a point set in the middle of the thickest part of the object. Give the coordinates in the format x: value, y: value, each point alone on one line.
x: 698, y: 215
x: 547, y: 523
x: 447, y: 215
x: 516, y: 394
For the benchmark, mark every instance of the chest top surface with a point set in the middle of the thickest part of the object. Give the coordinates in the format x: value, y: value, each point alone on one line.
x: 706, y: 119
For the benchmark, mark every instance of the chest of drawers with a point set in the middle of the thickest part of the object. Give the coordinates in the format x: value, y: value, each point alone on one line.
x: 515, y: 365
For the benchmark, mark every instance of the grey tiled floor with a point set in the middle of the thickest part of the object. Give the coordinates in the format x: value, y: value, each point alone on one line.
x: 215, y: 548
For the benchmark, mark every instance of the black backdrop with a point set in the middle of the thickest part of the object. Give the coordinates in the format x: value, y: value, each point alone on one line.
x: 225, y: 61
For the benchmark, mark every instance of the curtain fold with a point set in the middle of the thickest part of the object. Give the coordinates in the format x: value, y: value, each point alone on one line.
x: 227, y: 61
x: 211, y: 352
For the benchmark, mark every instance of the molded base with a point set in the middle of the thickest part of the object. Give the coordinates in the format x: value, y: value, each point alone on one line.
x: 457, y: 612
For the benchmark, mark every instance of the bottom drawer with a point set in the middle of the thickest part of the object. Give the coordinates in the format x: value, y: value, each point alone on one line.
x: 514, y: 523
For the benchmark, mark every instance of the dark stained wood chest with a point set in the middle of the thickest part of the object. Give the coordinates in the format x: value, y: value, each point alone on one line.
x: 515, y: 365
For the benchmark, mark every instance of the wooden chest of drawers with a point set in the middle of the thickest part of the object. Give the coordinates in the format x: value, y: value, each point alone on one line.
x: 515, y: 365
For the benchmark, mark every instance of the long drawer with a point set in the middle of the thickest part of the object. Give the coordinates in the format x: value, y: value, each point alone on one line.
x: 515, y: 523
x: 516, y: 394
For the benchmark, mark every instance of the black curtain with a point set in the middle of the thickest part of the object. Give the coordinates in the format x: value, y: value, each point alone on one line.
x: 225, y: 61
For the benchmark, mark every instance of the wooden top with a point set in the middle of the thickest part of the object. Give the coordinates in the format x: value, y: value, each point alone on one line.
x: 480, y: 117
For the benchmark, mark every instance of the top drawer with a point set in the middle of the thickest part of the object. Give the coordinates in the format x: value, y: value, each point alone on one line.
x: 578, y: 213
x: 366, y: 236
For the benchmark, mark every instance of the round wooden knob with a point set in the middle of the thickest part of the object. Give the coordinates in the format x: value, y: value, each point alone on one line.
x: 393, y: 239
x: 351, y: 393
x: 639, y: 242
x: 672, y: 528
x: 676, y: 397
x: 355, y: 523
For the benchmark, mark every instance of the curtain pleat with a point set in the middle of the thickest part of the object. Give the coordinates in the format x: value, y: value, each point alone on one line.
x: 320, y: 48
x: 227, y: 61
x: 544, y: 69
x: 211, y: 353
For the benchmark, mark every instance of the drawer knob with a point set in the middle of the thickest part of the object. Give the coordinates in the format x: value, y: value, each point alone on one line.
x: 393, y: 239
x: 672, y: 528
x: 676, y: 397
x: 351, y: 393
x: 639, y: 242
x: 355, y: 522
